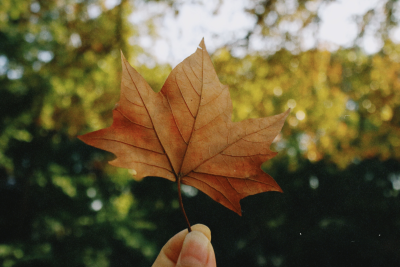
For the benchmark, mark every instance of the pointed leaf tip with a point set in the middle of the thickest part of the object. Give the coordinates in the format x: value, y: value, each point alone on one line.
x: 122, y: 56
x: 287, y: 112
x: 202, y: 44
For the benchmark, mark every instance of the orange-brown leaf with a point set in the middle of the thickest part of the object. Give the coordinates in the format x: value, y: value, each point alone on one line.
x: 186, y: 131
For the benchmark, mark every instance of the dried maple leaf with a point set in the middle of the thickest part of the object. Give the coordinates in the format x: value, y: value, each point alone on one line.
x: 184, y: 133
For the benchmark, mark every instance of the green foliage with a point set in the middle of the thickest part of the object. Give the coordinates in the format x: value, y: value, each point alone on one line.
x: 345, y: 105
x: 59, y: 77
x: 61, y: 204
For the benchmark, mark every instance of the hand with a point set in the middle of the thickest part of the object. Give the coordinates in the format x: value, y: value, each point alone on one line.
x: 188, y: 249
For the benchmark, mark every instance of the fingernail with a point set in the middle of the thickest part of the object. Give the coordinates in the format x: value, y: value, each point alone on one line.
x: 194, y: 251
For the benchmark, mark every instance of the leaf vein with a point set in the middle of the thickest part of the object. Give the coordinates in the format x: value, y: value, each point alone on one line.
x: 239, y: 178
x: 152, y: 165
x: 232, y: 185
x: 212, y: 188
x: 184, y: 100
x: 123, y: 93
x: 176, y: 123
x: 184, y: 71
x: 117, y: 141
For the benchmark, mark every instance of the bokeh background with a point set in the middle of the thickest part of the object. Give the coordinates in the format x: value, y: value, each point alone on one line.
x: 61, y: 204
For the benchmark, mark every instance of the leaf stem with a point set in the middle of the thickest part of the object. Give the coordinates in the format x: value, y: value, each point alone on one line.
x: 181, y: 203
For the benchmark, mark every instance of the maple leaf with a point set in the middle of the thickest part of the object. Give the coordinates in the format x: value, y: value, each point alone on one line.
x: 184, y: 133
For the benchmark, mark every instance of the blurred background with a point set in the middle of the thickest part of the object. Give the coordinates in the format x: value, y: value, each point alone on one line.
x: 336, y: 64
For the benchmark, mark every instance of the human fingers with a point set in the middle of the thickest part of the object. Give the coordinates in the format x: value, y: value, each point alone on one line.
x: 197, y: 251
x: 169, y: 254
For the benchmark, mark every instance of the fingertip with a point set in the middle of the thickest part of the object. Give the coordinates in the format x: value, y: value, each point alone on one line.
x: 195, y: 250
x: 203, y: 229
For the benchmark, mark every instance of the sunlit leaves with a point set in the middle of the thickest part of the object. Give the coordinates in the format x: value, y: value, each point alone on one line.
x: 57, y: 70
x: 344, y: 101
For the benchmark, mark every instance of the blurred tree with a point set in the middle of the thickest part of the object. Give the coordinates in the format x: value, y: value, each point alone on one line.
x: 294, y: 24
x: 62, y: 205
x: 345, y: 105
x: 59, y: 63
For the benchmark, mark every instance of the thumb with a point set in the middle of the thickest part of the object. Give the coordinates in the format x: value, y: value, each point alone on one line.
x: 197, y: 251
